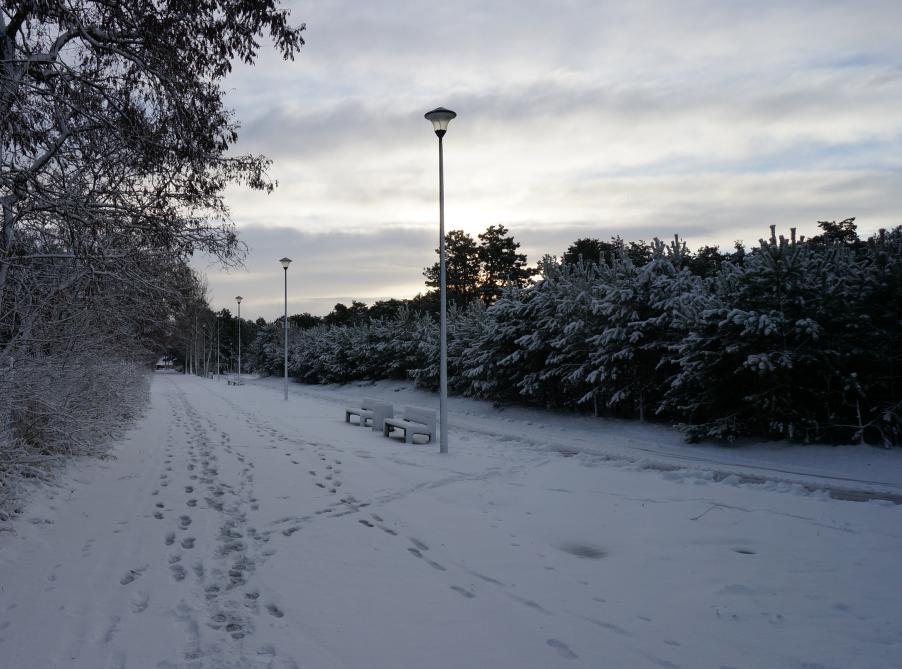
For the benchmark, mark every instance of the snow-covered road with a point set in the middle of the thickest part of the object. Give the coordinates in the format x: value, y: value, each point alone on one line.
x: 234, y: 529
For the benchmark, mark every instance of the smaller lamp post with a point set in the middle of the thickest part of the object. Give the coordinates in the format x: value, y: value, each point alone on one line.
x: 238, y: 300
x: 285, y: 263
x: 218, y: 367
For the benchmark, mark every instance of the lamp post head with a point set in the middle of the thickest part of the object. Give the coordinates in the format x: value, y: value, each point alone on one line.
x: 238, y: 299
x: 440, y: 118
x: 285, y: 262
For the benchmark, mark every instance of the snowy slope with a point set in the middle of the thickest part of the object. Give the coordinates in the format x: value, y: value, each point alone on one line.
x: 234, y: 529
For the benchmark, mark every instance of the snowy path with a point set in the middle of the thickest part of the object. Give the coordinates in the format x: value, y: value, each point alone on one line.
x: 236, y: 530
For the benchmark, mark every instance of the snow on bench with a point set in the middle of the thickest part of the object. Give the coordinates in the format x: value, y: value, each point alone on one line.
x: 370, y: 410
x: 362, y: 412
x: 414, y: 421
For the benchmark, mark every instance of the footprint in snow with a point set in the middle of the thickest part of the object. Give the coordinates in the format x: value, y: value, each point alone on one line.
x: 184, y: 521
x: 463, y: 591
x: 188, y: 542
x: 274, y: 610
x: 562, y: 649
x: 170, y: 538
x: 132, y: 575
x: 139, y: 601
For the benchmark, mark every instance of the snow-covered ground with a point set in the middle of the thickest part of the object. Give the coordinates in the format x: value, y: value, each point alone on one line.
x: 234, y: 529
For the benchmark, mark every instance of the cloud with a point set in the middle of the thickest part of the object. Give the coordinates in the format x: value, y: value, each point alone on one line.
x: 327, y: 267
x: 705, y: 118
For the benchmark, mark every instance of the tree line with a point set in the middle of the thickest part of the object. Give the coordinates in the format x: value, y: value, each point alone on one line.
x: 115, y: 150
x: 797, y: 339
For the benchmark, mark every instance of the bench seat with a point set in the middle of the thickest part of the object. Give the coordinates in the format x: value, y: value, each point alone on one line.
x: 364, y: 411
x: 414, y: 421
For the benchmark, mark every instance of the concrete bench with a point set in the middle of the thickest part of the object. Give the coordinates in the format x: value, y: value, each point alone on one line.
x: 414, y: 421
x: 364, y: 411
x: 377, y: 417
x: 371, y: 411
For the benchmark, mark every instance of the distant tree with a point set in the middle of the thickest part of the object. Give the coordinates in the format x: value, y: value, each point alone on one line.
x: 706, y: 262
x: 587, y: 249
x: 640, y: 253
x: 344, y: 315
x: 844, y: 233
x: 426, y: 303
x: 304, y: 321
x: 500, y: 263
x: 462, y: 268
x: 738, y: 255
x: 385, y: 308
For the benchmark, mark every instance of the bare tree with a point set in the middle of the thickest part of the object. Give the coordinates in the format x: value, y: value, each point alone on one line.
x: 114, y: 156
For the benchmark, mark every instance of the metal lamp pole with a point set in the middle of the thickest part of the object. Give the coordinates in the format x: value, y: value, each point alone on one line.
x: 218, y: 366
x: 238, y: 299
x: 285, y: 262
x: 204, y: 349
x: 440, y: 117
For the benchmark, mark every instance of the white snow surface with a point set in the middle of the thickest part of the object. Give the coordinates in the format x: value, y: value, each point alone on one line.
x: 234, y: 529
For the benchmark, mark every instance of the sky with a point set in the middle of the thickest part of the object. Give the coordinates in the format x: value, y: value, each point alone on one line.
x: 576, y: 118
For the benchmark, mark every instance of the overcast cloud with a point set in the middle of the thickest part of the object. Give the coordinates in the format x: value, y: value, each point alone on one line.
x: 576, y: 118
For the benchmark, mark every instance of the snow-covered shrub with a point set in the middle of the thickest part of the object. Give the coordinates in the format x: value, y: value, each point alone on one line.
x: 60, y: 404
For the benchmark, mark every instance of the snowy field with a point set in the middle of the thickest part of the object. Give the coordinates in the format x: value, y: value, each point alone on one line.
x: 233, y: 529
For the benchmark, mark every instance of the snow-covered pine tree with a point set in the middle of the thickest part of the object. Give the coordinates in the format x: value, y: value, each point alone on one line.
x: 495, y: 363
x: 644, y: 312
x: 875, y: 342
x: 562, y: 319
x: 760, y: 361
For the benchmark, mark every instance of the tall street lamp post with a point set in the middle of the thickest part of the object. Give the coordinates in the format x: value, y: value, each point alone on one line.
x: 285, y: 262
x: 238, y: 300
x: 440, y: 118
x: 204, y: 350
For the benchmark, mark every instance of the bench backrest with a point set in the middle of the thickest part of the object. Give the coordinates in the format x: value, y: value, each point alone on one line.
x: 419, y: 415
x: 367, y: 403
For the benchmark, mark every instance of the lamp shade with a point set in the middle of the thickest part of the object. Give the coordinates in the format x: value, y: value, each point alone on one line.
x: 285, y: 262
x: 440, y: 118
x: 238, y: 299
